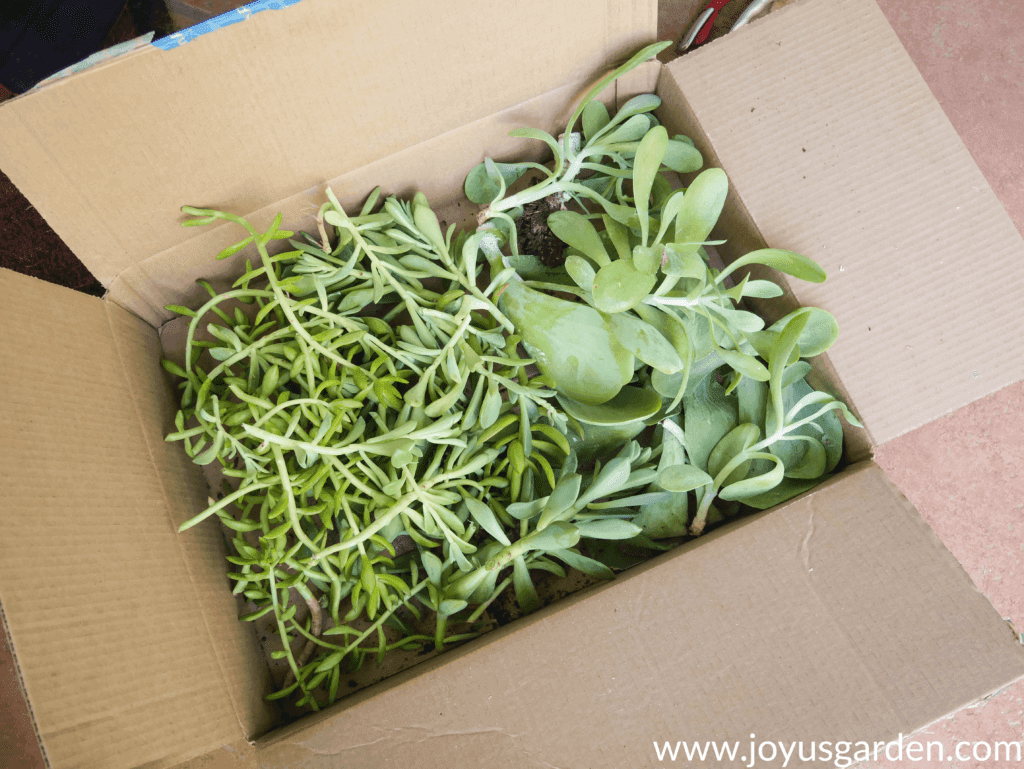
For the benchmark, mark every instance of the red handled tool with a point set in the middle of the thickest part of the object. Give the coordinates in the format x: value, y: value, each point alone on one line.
x: 701, y: 28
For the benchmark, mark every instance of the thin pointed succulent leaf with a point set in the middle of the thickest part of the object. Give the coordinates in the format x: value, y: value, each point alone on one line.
x: 761, y: 289
x: 484, y: 516
x: 683, y: 478
x: 759, y: 484
x: 426, y: 221
x: 564, y: 495
x: 632, y: 130
x: 571, y: 343
x: 575, y: 560
x: 630, y: 404
x: 682, y: 157
x: 735, y: 443
x: 797, y: 265
x: 619, y: 286
x: 649, y: 155
x: 669, y: 211
x: 576, y: 230
x: 745, y: 364
x: 645, y: 342
x: 526, y: 593
x: 611, y: 478
x: 702, y: 205
x: 608, y: 528
x: 777, y: 361
x: 544, y: 136
x: 557, y: 535
x: 524, y: 511
x: 649, y: 52
x: 819, y: 334
x: 708, y: 414
x: 595, y: 117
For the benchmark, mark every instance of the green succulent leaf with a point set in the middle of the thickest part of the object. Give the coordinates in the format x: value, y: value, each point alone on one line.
x: 709, y: 414
x: 486, y: 519
x: 576, y: 230
x: 645, y: 342
x: 682, y: 157
x: 557, y: 535
x: 619, y: 286
x: 647, y: 259
x: 483, y: 188
x: 630, y: 404
x: 631, y: 131
x: 582, y: 563
x: 759, y: 484
x: 581, y: 271
x: 571, y: 343
x: 797, y: 265
x: 786, y: 490
x: 735, y: 443
x: 607, y: 528
x: 702, y: 205
x: 595, y: 117
x: 683, y: 478
x: 526, y: 593
x: 649, y: 154
x: 819, y: 334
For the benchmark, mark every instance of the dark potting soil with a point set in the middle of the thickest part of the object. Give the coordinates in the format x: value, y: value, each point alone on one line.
x: 535, y: 237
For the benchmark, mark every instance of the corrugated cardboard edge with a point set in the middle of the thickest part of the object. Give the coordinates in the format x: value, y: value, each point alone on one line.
x: 59, y: 429
x: 330, y: 87
x: 145, y: 288
x: 21, y: 686
x: 742, y: 235
x: 509, y: 698
x: 169, y: 463
x: 840, y: 151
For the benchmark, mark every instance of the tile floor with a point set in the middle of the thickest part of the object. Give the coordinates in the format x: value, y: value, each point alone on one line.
x: 964, y: 472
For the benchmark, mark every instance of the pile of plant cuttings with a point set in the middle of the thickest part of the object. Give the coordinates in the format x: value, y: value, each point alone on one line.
x: 414, y: 420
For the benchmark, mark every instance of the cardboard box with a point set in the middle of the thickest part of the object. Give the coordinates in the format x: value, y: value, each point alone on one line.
x: 838, y: 616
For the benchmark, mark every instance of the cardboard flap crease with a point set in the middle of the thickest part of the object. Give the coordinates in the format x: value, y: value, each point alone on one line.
x: 249, y: 114
x: 839, y: 610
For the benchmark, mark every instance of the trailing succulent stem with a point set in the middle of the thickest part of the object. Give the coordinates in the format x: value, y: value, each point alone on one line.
x: 410, y: 420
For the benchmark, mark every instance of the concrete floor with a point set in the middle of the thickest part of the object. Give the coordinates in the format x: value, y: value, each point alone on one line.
x: 964, y: 472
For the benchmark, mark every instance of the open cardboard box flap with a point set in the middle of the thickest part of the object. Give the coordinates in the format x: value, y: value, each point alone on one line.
x: 733, y: 633
x: 252, y: 113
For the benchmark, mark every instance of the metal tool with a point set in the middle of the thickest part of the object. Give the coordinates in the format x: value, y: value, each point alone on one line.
x: 701, y: 28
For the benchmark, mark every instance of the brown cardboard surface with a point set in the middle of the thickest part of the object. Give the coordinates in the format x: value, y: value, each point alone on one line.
x: 247, y: 115
x: 836, y: 149
x: 838, y: 616
x: 146, y: 287
x: 102, y: 610
x: 733, y: 633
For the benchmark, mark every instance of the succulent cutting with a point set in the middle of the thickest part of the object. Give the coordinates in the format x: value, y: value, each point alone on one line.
x: 410, y: 420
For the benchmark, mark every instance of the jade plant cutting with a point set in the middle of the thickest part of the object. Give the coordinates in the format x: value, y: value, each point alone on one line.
x: 411, y: 420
